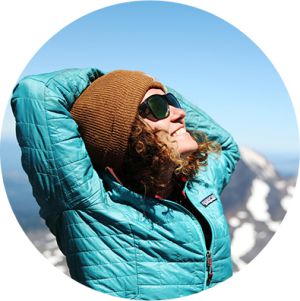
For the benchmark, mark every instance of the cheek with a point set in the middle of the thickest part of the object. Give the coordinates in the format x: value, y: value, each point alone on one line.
x: 163, y: 125
x: 165, y: 138
x: 159, y: 125
x: 162, y: 129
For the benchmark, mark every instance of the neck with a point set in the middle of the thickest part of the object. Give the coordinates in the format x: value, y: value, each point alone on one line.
x: 166, y: 178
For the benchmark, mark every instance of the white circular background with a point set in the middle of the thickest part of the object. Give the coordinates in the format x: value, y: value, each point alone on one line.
x: 27, y: 25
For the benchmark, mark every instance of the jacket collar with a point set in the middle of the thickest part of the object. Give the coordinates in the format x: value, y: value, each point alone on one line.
x: 120, y: 194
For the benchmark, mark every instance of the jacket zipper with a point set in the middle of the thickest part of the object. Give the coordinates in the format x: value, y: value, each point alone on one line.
x: 209, y: 259
x: 209, y: 266
x: 210, y: 271
x: 209, y: 246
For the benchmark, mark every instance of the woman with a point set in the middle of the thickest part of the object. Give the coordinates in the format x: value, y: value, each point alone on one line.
x: 128, y: 175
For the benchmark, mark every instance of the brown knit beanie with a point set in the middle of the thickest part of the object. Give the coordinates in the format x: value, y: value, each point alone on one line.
x: 105, y: 112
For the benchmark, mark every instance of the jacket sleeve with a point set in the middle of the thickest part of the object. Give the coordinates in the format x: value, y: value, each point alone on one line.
x: 220, y: 167
x: 53, y: 153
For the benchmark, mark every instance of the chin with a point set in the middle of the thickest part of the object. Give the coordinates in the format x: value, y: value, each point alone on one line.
x: 186, y: 152
x: 186, y: 145
x: 188, y: 148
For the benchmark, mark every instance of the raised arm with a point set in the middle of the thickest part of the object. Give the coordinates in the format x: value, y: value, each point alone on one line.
x: 220, y: 168
x: 53, y: 153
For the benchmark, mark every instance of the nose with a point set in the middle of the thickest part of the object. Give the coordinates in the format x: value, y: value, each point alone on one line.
x: 176, y: 113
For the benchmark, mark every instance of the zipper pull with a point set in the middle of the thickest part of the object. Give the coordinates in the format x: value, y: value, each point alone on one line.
x: 209, y: 266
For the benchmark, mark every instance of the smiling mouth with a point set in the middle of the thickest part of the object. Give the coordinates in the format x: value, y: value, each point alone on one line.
x: 179, y: 132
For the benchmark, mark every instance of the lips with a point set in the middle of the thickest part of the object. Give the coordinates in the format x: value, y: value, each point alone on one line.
x: 179, y: 132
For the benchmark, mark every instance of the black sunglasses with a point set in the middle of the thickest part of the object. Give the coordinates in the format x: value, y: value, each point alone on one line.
x: 158, y: 106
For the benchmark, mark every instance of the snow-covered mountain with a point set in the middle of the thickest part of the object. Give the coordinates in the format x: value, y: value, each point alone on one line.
x: 255, y: 203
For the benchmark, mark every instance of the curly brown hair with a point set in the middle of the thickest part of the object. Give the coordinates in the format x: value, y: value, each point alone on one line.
x: 149, y: 155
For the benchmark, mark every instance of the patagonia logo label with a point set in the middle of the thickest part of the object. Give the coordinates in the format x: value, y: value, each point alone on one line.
x: 208, y: 200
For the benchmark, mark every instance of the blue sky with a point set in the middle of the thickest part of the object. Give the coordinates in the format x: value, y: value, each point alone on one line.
x: 203, y: 57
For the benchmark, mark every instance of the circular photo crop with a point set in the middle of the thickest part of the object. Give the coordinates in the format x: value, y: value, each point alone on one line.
x: 142, y: 152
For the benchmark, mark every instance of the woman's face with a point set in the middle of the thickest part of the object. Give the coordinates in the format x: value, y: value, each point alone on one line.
x: 174, y: 125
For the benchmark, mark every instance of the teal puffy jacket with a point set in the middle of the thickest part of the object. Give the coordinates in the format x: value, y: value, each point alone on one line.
x: 114, y: 240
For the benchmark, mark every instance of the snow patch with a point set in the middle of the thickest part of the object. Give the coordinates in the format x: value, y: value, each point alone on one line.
x: 257, y: 203
x: 285, y: 202
x: 242, y: 214
x: 50, y: 236
x: 243, y: 241
x: 258, y: 162
x: 51, y: 244
x: 234, y: 222
x: 291, y: 190
x: 280, y: 184
x: 54, y: 259
x: 258, y: 206
x: 273, y: 226
x: 253, y: 157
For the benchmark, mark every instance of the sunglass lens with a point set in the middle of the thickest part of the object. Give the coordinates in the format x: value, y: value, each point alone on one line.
x: 173, y: 101
x: 159, y: 107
